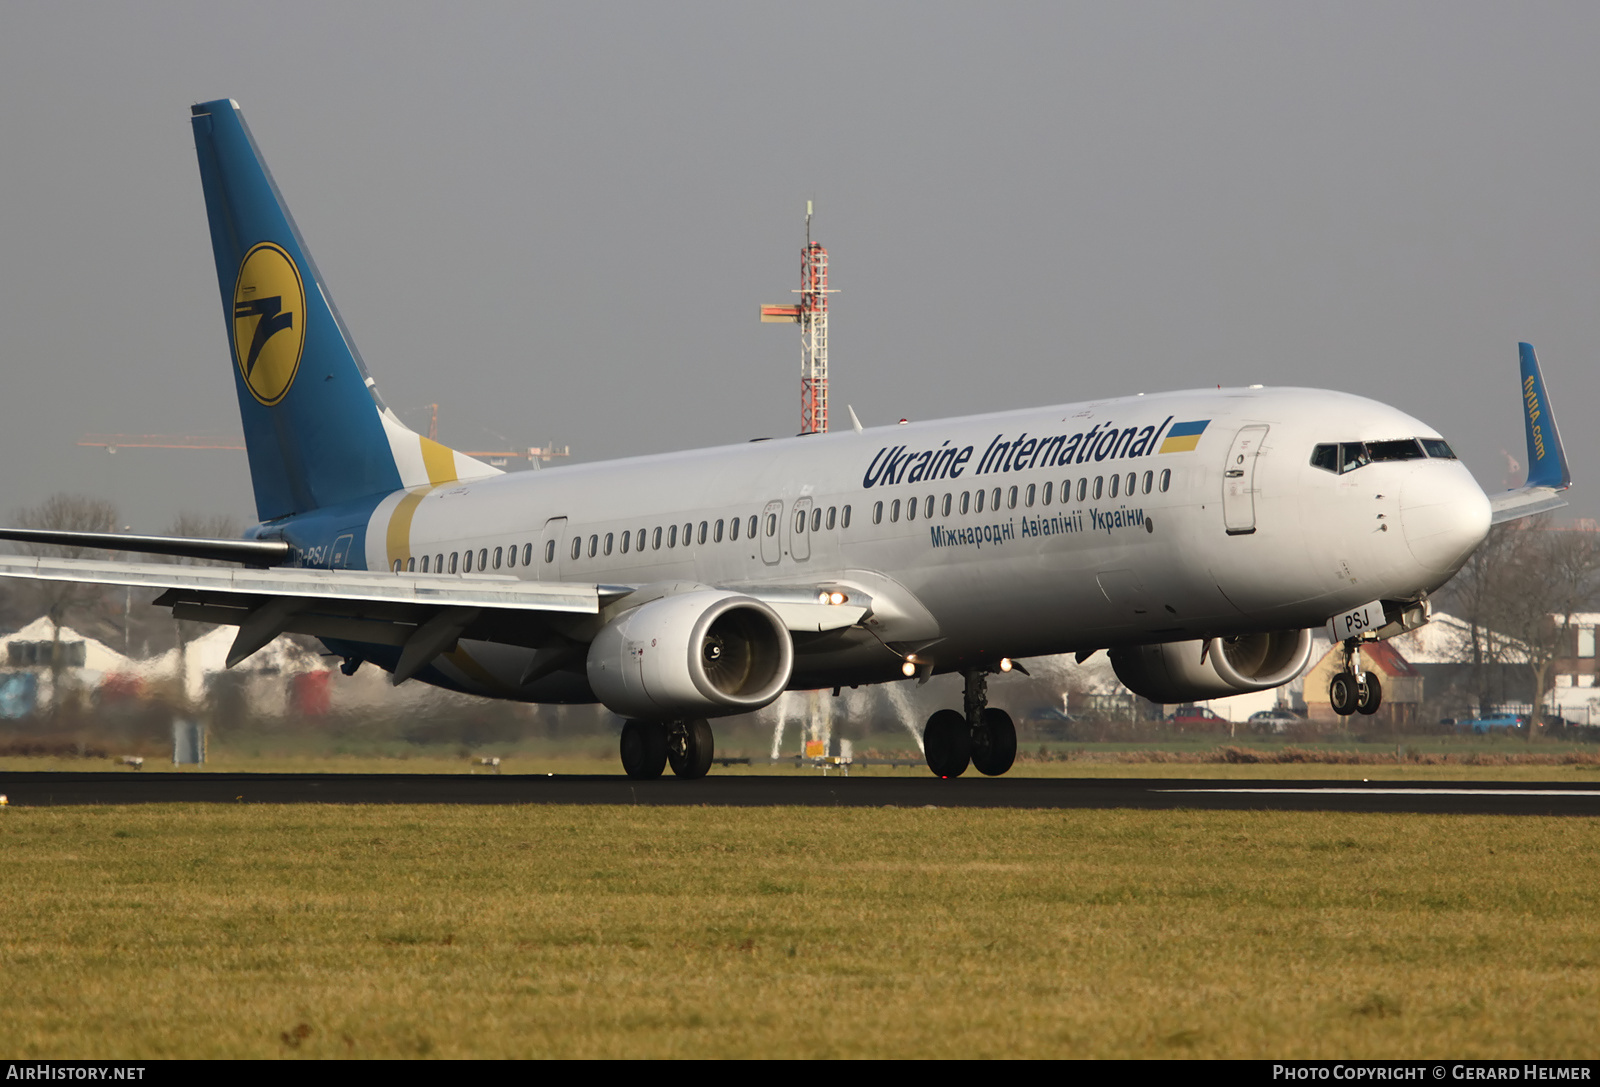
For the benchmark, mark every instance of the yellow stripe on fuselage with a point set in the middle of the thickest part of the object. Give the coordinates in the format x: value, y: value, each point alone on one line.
x: 397, y: 540
x: 1180, y: 443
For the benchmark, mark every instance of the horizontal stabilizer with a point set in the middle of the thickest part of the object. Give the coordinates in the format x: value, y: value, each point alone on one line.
x: 249, y: 552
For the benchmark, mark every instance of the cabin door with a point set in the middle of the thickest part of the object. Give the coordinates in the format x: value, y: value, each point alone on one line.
x: 800, y: 530
x: 1239, y: 481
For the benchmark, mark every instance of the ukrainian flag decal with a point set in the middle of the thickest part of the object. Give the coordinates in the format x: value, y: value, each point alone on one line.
x: 1184, y: 436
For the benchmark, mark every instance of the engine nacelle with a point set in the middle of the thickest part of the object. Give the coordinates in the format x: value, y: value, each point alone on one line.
x: 700, y: 654
x: 1174, y: 672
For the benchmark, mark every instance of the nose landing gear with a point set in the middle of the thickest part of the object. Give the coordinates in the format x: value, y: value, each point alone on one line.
x: 983, y: 737
x: 1352, y: 690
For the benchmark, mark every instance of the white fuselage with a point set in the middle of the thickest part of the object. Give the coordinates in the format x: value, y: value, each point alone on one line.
x: 1280, y: 544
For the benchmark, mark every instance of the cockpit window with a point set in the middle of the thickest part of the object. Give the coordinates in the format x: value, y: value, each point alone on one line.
x: 1348, y: 456
x: 1403, y: 449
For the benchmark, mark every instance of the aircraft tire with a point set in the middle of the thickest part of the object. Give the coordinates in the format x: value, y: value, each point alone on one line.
x: 947, y: 744
x: 994, y: 743
x: 690, y: 749
x: 644, y: 749
x: 1342, y: 694
x: 1371, y: 694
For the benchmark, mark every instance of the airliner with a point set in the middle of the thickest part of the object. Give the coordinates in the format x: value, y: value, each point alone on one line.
x: 1199, y: 537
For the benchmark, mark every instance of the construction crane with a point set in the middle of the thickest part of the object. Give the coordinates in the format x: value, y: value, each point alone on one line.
x: 811, y: 314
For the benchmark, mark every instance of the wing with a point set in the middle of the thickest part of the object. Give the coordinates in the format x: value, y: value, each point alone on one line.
x: 422, y: 614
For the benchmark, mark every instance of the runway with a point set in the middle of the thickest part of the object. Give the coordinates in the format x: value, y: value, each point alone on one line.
x: 40, y: 789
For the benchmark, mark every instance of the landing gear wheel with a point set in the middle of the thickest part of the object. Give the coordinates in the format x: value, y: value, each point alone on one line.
x: 1370, y: 696
x: 947, y: 743
x: 690, y: 747
x: 1342, y: 694
x: 644, y: 749
x: 994, y: 743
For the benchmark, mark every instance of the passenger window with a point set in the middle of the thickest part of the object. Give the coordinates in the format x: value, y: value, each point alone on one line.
x: 425, y: 564
x: 994, y: 499
x: 833, y: 517
x: 497, y: 557
x: 627, y: 541
x: 466, y: 557
x: 1149, y: 477
x: 877, y: 513
x: 688, y: 534
x: 672, y: 536
x: 1133, y: 477
x: 527, y: 554
x: 718, y: 531
x: 733, y: 529
x: 799, y: 520
x: 816, y: 519
x: 944, y: 508
x: 511, y: 555
x: 750, y: 527
x: 772, y: 524
x: 911, y: 510
x: 966, y: 501
x: 397, y: 566
x: 1166, y: 479
x: 453, y: 556
x: 438, y: 564
x: 1099, y: 485
x: 702, y: 532
x: 1027, y: 499
x: 1011, y: 499
x: 411, y: 565
x: 549, y: 554
x: 638, y: 541
x: 577, y: 549
x: 927, y: 506
x: 609, y: 538
x: 1083, y: 487
x: 894, y: 511
x: 844, y: 517
x: 483, y: 558
x: 655, y: 541
x: 1115, y: 481
x: 1044, y: 499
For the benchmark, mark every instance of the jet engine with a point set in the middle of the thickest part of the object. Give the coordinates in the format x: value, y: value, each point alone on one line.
x: 1192, y: 671
x: 700, y: 654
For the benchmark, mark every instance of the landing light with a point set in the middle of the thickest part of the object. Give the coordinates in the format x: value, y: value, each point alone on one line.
x: 1005, y: 664
x: 909, y: 668
x: 833, y: 598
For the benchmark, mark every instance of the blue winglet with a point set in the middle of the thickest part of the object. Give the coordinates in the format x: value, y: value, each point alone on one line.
x: 1547, y: 460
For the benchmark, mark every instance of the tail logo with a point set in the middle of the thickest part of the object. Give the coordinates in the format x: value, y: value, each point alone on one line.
x: 269, y: 322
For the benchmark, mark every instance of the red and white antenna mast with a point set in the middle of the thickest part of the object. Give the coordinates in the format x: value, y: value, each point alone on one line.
x: 812, y: 317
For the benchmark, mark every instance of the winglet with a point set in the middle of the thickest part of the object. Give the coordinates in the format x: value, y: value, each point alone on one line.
x: 1547, y: 460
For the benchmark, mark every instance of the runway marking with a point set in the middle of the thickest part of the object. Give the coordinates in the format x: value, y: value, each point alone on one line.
x: 1403, y: 792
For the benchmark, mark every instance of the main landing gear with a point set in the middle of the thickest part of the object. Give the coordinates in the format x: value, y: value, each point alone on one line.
x: 982, y: 736
x: 1351, y: 690
x: 649, y: 747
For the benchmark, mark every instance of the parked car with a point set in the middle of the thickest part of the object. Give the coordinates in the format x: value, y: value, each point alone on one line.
x: 1495, y: 723
x: 1190, y: 716
x: 1274, y: 721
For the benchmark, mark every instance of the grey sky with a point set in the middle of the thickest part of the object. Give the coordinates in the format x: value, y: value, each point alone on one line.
x: 558, y: 220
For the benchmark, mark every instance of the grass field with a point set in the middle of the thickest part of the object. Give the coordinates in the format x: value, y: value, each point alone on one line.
x: 545, y: 931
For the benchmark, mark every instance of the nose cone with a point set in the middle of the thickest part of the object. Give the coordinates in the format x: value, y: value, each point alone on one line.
x: 1444, y: 515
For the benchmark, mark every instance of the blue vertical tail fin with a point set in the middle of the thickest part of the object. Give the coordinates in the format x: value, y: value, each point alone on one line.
x: 316, y: 431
